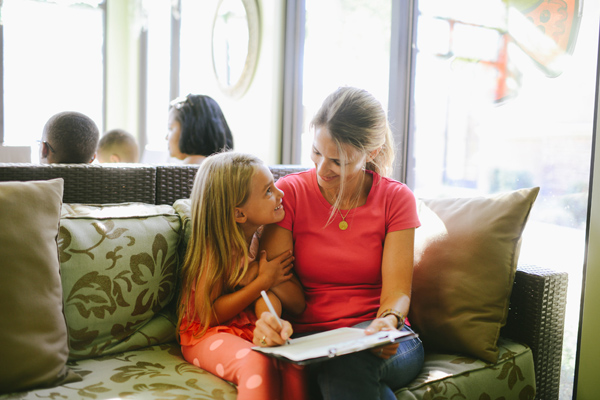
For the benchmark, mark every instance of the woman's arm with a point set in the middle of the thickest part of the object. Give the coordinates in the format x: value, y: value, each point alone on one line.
x: 396, y: 276
x: 397, y: 272
x: 277, y: 240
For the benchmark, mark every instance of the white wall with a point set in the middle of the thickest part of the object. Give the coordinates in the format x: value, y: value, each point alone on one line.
x: 255, y: 118
x: 122, y: 62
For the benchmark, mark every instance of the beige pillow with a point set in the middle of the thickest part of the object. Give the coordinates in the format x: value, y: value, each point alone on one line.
x: 466, y: 254
x: 33, y: 333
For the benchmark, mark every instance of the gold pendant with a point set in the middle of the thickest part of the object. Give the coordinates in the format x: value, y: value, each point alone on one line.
x: 343, y: 225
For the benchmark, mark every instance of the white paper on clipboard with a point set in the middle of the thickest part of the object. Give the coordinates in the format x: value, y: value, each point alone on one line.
x: 333, y: 343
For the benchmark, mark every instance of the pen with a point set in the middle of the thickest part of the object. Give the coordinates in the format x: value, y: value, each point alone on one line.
x: 266, y: 298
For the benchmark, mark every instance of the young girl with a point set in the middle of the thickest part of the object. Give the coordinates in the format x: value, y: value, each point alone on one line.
x: 233, y: 197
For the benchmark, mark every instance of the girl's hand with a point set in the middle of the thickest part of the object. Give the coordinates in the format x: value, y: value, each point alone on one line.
x: 276, y: 271
x: 382, y: 324
x: 268, y: 333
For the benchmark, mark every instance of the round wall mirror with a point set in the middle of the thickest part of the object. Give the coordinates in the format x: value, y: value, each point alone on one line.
x: 235, y: 45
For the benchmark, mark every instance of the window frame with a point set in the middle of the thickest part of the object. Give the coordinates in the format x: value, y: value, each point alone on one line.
x: 1, y: 84
x: 401, y: 77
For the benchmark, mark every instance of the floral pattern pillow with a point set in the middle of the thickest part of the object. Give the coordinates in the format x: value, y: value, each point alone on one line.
x: 119, y: 271
x: 183, y: 207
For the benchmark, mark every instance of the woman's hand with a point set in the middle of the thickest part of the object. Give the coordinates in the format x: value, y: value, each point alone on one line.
x: 268, y: 333
x: 276, y: 271
x: 386, y: 351
x: 383, y: 324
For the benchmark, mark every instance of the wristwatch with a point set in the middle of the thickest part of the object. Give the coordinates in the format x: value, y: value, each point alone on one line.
x: 395, y: 313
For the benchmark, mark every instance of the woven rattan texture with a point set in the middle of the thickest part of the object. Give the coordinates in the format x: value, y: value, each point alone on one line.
x: 174, y: 182
x: 537, y: 317
x: 91, y: 183
x: 281, y: 170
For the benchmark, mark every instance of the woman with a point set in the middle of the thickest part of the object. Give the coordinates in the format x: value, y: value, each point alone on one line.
x: 197, y: 129
x: 352, y: 232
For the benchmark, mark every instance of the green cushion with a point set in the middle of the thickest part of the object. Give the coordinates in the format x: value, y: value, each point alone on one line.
x: 160, y: 372
x: 183, y: 207
x: 156, y: 372
x: 118, y: 266
x: 448, y: 376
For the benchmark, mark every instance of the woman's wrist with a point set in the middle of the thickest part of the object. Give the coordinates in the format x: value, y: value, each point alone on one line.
x: 392, y: 319
x: 398, y: 316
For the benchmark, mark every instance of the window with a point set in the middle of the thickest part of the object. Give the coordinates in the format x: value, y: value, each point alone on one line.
x: 196, y: 68
x: 351, y: 49
x: 158, y: 68
x: 53, y: 62
x: 501, y: 98
x: 492, y: 114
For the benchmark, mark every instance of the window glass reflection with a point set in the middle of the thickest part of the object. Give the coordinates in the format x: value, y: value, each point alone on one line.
x: 351, y: 49
x: 53, y: 62
x: 504, y: 99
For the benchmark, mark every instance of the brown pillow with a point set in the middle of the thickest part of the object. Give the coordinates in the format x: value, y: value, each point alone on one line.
x: 466, y: 253
x: 33, y: 333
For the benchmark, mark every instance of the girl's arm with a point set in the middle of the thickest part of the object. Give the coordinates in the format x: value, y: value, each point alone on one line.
x: 226, y: 306
x: 277, y: 240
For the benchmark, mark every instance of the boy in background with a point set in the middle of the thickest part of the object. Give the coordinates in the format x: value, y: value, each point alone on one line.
x: 118, y: 146
x: 69, y: 137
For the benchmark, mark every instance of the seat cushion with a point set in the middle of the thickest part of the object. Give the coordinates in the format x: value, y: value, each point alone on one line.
x: 156, y: 372
x: 452, y: 376
x: 159, y: 372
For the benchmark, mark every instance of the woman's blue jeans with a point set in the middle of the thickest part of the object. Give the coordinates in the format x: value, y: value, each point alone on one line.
x: 364, y: 376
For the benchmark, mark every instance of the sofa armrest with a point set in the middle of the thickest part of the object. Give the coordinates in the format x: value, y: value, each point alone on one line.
x: 537, y: 317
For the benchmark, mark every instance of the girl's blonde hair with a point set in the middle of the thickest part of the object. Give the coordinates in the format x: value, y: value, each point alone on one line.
x: 354, y: 116
x: 217, y: 246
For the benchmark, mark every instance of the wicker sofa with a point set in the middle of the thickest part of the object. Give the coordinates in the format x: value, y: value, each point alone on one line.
x: 145, y: 362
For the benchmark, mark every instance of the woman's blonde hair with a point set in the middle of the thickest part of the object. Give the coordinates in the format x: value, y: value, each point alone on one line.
x: 354, y: 116
x: 217, y: 246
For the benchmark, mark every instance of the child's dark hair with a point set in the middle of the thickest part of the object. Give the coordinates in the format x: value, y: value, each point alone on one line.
x: 73, y: 136
x: 204, y: 129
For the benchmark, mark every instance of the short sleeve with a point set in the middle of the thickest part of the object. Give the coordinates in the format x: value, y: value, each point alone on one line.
x: 401, y: 208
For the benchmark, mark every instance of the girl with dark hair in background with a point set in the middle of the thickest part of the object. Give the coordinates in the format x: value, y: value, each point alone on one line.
x: 197, y: 129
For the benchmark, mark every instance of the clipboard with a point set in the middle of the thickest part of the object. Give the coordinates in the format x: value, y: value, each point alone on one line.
x: 334, y: 343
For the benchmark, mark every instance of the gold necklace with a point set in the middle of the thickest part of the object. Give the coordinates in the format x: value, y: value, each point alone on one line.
x: 343, y: 224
